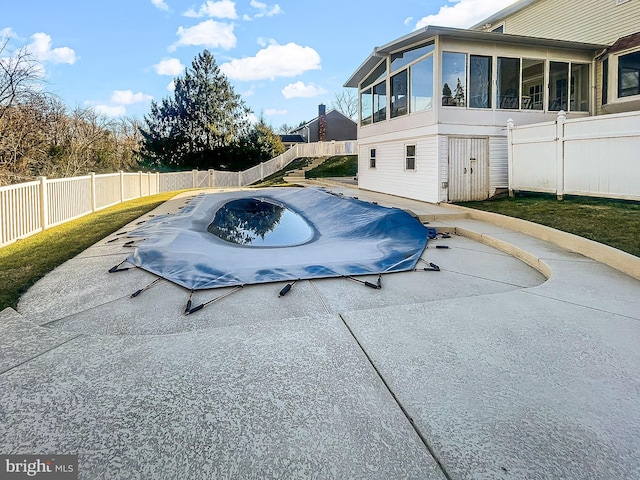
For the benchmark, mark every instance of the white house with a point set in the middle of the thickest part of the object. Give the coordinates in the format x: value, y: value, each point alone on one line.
x: 434, y: 104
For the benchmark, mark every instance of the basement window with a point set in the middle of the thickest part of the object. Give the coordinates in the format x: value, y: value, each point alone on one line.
x: 410, y: 157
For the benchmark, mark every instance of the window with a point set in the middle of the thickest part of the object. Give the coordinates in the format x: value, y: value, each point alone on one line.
x: 480, y: 82
x: 399, y: 97
x: 421, y: 77
x: 377, y: 74
x: 372, y: 158
x: 558, y: 85
x: 605, y: 81
x: 579, y: 94
x: 508, y: 83
x: 454, y: 74
x: 532, y: 84
x: 629, y: 75
x: 402, y: 59
x: 380, y: 102
x: 366, y: 107
x: 410, y: 157
x: 499, y: 29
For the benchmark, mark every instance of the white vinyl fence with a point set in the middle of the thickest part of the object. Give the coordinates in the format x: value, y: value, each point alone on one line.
x: 31, y: 207
x: 594, y: 156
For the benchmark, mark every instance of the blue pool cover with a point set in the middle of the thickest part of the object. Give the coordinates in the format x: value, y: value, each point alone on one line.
x: 280, y: 234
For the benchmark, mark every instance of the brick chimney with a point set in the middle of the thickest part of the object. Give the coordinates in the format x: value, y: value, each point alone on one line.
x: 322, y: 123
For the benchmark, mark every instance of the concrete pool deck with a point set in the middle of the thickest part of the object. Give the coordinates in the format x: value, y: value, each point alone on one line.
x: 485, y: 369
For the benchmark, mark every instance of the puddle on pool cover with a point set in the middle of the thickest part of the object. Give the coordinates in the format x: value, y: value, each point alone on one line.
x: 260, y: 223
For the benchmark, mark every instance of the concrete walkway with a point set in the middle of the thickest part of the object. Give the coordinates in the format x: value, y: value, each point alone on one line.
x: 486, y: 369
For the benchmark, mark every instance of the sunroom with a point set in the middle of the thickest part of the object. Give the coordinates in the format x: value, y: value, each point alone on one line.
x: 434, y: 106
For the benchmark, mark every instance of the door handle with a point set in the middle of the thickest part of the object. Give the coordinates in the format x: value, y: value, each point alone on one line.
x: 471, y: 169
x: 465, y: 169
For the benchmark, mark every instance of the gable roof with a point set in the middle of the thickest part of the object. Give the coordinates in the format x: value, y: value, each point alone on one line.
x: 426, y: 33
x: 502, y: 14
x: 330, y: 112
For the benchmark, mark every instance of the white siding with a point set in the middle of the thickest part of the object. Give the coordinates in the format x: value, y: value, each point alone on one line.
x: 589, y: 21
x: 498, y: 164
x: 390, y: 175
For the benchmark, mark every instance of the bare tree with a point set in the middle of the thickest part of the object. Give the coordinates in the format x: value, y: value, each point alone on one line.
x: 346, y: 103
x: 19, y: 75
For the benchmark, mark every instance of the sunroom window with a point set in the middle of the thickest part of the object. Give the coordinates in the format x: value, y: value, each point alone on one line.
x: 508, y: 83
x: 380, y: 102
x: 558, y: 85
x: 480, y: 82
x: 532, y: 84
x: 629, y: 74
x: 399, y: 87
x: 402, y: 59
x: 421, y: 78
x: 366, y: 107
x: 454, y: 75
x: 579, y: 95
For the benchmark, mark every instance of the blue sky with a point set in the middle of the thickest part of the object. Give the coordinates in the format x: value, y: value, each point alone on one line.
x: 283, y: 57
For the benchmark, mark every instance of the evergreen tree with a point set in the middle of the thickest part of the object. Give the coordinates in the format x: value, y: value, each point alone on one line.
x: 265, y: 141
x: 201, y: 125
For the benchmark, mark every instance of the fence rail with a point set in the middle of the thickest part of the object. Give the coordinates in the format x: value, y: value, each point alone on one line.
x: 32, y: 207
x: 592, y: 156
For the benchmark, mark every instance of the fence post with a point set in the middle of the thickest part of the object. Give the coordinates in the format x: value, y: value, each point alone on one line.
x: 510, y: 125
x: 212, y: 178
x: 261, y: 171
x: 562, y: 117
x: 140, y: 184
x: 44, y: 204
x: 195, y: 178
x: 239, y: 178
x: 121, y: 186
x: 93, y: 191
x: 157, y: 182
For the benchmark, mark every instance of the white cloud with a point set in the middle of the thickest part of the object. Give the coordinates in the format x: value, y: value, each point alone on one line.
x: 299, y: 89
x: 169, y: 66
x: 221, y: 9
x: 117, y: 111
x: 463, y: 13
x: 40, y: 47
x: 8, y: 33
x: 208, y: 34
x: 171, y: 86
x: 273, y: 111
x: 264, y: 10
x: 159, y: 4
x: 408, y: 20
x: 273, y: 61
x: 127, y: 97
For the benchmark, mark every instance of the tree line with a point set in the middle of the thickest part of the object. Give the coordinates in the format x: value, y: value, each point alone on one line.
x: 204, y: 124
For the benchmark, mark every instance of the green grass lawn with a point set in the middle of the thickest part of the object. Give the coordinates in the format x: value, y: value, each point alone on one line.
x: 26, y: 261
x: 337, y: 166
x: 612, y: 222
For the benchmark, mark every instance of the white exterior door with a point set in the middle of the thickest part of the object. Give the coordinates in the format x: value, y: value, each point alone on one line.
x: 468, y: 169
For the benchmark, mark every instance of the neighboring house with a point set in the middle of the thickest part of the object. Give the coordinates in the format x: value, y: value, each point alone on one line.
x: 327, y: 127
x: 434, y: 104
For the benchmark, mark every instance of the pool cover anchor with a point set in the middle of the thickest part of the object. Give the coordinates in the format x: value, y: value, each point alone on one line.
x: 138, y: 292
x: 202, y: 305
x: 375, y: 286
x: 287, y: 288
x: 116, y: 268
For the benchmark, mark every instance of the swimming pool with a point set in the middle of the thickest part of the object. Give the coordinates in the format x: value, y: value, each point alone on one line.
x: 272, y: 235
